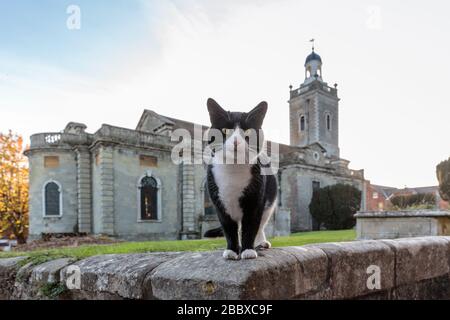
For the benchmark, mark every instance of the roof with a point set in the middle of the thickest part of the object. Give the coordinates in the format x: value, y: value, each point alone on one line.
x: 151, y: 121
x: 388, y: 192
x: 432, y: 189
x: 181, y: 124
x: 152, y: 113
x: 313, y: 56
x: 189, y: 126
x: 385, y: 191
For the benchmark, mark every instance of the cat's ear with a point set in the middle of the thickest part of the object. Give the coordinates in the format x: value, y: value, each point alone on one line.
x: 217, y: 115
x: 255, y: 117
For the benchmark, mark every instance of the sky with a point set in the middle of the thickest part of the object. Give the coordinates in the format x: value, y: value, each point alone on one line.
x: 107, y: 61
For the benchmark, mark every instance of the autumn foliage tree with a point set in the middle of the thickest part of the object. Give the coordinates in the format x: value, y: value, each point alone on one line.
x: 13, y: 188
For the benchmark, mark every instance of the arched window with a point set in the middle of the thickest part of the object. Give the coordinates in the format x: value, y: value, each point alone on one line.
x: 149, y: 198
x: 302, y: 123
x: 308, y: 72
x: 328, y: 122
x: 52, y: 199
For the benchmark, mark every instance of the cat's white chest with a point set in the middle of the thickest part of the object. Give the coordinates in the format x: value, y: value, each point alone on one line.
x: 231, y: 181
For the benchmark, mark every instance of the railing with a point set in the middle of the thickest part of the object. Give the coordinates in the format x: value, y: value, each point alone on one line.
x: 58, y: 139
x: 311, y: 86
x: 52, y: 138
x: 117, y: 134
x: 110, y: 133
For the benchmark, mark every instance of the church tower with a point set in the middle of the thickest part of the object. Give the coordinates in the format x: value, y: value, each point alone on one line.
x: 314, y: 110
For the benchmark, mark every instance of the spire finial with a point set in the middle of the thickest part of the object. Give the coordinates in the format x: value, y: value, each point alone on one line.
x: 312, y: 41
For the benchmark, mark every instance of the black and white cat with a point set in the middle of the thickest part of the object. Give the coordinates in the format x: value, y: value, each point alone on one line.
x: 244, y: 197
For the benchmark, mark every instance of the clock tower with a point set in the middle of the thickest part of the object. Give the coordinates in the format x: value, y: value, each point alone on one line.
x: 314, y: 110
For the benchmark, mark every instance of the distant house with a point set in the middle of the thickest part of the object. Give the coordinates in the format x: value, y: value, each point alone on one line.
x: 378, y: 197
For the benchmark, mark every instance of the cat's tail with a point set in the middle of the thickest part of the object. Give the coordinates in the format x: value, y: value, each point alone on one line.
x: 214, y: 233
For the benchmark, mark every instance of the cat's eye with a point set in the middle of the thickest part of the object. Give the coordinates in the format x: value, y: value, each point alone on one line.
x: 227, y: 131
x: 248, y: 132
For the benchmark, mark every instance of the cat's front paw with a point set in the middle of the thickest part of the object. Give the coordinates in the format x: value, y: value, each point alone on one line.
x: 249, y: 254
x: 264, y: 245
x: 230, y: 255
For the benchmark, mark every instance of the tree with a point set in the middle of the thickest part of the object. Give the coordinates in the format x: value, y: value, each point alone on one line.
x: 13, y: 188
x: 320, y: 206
x: 334, y: 206
x: 443, y: 175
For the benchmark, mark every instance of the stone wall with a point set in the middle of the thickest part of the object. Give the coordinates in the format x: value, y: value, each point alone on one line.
x: 415, y: 268
x: 372, y: 225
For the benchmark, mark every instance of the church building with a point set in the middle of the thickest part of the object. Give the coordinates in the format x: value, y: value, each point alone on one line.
x: 123, y: 183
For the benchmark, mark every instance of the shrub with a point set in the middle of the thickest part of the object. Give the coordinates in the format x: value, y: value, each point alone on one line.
x: 443, y: 175
x: 419, y: 200
x: 334, y: 206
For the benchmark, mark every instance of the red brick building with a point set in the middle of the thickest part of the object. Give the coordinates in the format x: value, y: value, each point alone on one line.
x: 378, y: 197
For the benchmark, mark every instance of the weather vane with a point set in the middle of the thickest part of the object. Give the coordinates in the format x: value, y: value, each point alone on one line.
x: 312, y: 41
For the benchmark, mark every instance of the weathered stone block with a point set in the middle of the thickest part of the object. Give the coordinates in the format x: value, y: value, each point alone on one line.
x: 49, y: 272
x: 349, y: 264
x: 420, y: 258
x: 8, y: 272
x: 276, y: 274
x: 313, y: 275
x: 32, y: 279
x: 430, y: 289
x: 118, y: 276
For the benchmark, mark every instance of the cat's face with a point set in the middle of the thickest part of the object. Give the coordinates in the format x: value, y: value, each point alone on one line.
x: 241, y: 132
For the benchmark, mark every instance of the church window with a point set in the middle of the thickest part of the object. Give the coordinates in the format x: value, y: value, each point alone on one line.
x: 148, y: 198
x: 328, y: 120
x: 302, y: 123
x: 375, y: 195
x: 52, y: 195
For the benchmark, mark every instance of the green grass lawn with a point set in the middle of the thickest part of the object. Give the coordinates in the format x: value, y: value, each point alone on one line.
x: 81, y: 252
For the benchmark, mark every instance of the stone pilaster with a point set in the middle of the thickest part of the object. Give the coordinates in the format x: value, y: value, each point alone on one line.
x: 106, y: 166
x: 84, y: 190
x: 188, y: 201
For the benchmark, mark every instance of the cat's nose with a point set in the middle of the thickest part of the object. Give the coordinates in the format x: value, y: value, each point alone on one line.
x: 236, y: 142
